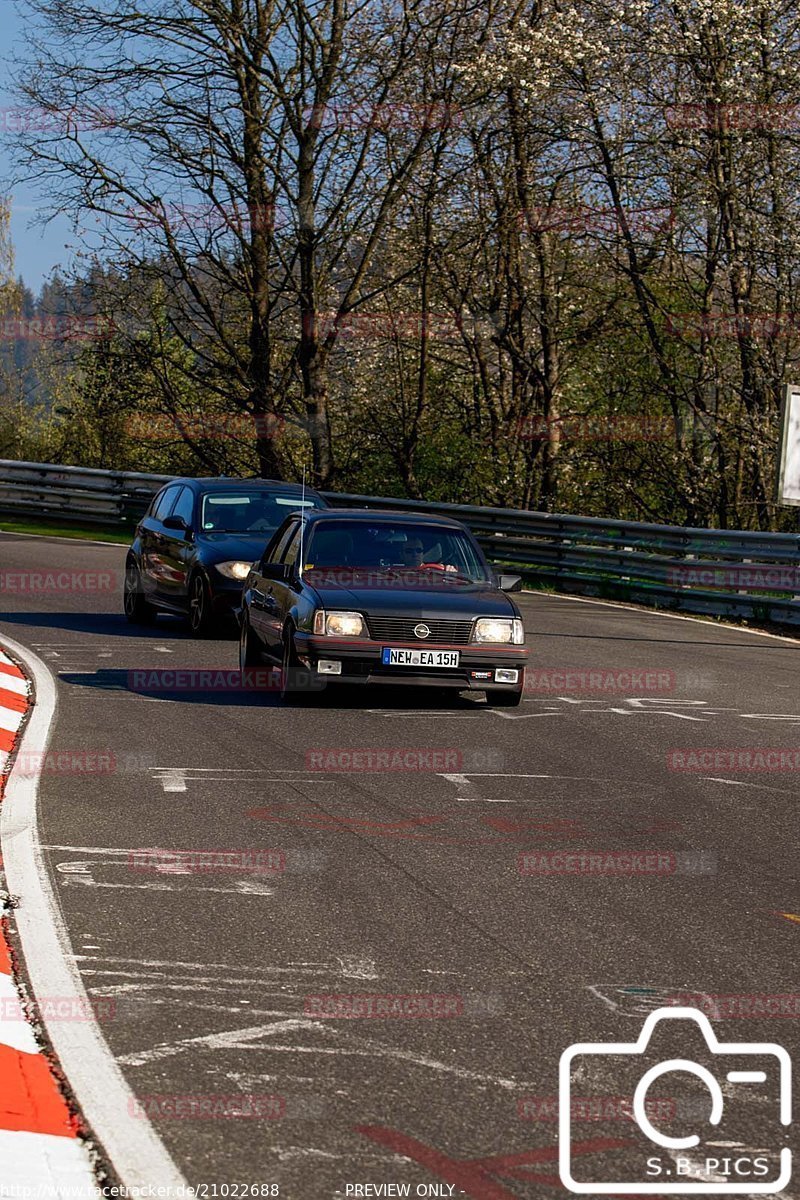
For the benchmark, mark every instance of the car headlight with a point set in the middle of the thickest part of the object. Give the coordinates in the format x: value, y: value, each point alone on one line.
x: 234, y: 570
x: 339, y: 624
x: 499, y: 629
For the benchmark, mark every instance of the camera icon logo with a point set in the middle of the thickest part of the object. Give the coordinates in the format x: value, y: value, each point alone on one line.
x: 708, y: 1170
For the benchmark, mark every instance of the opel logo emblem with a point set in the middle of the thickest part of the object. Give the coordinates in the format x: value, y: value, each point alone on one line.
x: 422, y: 631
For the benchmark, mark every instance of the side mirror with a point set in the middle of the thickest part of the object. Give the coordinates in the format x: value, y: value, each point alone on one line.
x: 280, y: 572
x: 509, y: 583
x: 176, y: 523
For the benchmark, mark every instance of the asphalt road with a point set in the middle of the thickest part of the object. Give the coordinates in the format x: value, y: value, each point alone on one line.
x: 401, y: 883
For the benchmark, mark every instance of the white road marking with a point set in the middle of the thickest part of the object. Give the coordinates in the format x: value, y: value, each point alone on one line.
x: 464, y: 780
x: 359, y: 1047
x: 353, y: 967
x: 483, y: 800
x: 174, y: 781
x: 287, y: 1153
x: 105, y: 1099
x: 79, y: 874
x: 145, y: 995
x: 425, y: 714
x: 234, y: 1039
x: 734, y: 782
x: 309, y: 968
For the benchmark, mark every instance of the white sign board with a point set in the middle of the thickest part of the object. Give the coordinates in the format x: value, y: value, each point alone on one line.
x: 789, y: 467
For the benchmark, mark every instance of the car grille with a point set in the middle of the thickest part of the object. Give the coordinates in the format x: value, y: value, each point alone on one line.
x: 401, y: 629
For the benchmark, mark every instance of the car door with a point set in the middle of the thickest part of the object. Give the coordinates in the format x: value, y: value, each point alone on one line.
x: 284, y: 591
x: 163, y: 555
x: 177, y: 546
x: 265, y: 617
x: 150, y: 535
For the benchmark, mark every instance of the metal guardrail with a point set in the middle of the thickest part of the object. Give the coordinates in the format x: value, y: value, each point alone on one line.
x: 732, y: 573
x: 80, y: 494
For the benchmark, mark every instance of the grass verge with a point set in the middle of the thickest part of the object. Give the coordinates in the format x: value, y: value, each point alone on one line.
x: 86, y: 533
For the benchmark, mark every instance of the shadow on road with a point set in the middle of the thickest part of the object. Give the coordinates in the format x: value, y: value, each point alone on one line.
x: 223, y: 694
x: 109, y: 625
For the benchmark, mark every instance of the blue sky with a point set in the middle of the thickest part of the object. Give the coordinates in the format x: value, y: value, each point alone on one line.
x: 37, y: 249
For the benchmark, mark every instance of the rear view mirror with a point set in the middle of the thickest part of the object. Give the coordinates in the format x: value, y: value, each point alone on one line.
x: 176, y: 523
x: 509, y: 583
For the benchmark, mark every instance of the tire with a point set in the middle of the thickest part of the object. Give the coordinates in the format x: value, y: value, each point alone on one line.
x: 295, y: 680
x: 497, y: 699
x: 137, y: 610
x: 249, y: 655
x: 201, y: 620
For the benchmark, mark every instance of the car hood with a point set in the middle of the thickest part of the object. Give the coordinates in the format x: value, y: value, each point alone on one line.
x: 227, y: 547
x: 442, y: 601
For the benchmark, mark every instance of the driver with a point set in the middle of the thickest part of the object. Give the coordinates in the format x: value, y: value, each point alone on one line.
x: 413, y: 553
x: 264, y: 520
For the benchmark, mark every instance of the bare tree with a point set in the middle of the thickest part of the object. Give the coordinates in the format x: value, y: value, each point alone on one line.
x: 246, y: 157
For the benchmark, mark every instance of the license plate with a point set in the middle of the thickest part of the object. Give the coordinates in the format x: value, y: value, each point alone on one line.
x: 392, y: 657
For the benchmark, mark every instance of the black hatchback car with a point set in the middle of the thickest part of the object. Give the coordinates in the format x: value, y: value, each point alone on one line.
x: 358, y: 596
x: 197, y: 542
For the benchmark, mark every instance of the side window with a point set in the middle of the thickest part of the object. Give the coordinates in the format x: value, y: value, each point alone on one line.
x: 164, y: 502
x: 292, y: 548
x: 277, y: 553
x: 184, y: 506
x: 154, y: 503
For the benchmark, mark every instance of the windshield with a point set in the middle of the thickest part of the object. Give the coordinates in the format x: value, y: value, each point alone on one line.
x: 247, y: 512
x: 428, y: 549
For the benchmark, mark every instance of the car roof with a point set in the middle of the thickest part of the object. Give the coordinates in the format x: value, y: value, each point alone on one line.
x: 227, y: 483
x: 367, y: 516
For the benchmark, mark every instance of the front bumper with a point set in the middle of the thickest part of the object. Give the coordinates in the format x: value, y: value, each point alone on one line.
x: 226, y: 596
x: 361, y: 663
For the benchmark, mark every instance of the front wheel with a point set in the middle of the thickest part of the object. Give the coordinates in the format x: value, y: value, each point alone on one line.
x: 498, y: 699
x: 295, y: 678
x: 138, y: 610
x: 201, y: 621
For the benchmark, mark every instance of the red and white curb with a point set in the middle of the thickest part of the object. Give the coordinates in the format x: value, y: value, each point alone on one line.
x: 42, y: 1145
x: 13, y: 706
x: 39, y: 1143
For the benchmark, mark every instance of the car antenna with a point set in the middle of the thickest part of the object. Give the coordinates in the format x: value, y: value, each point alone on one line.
x: 302, y: 520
